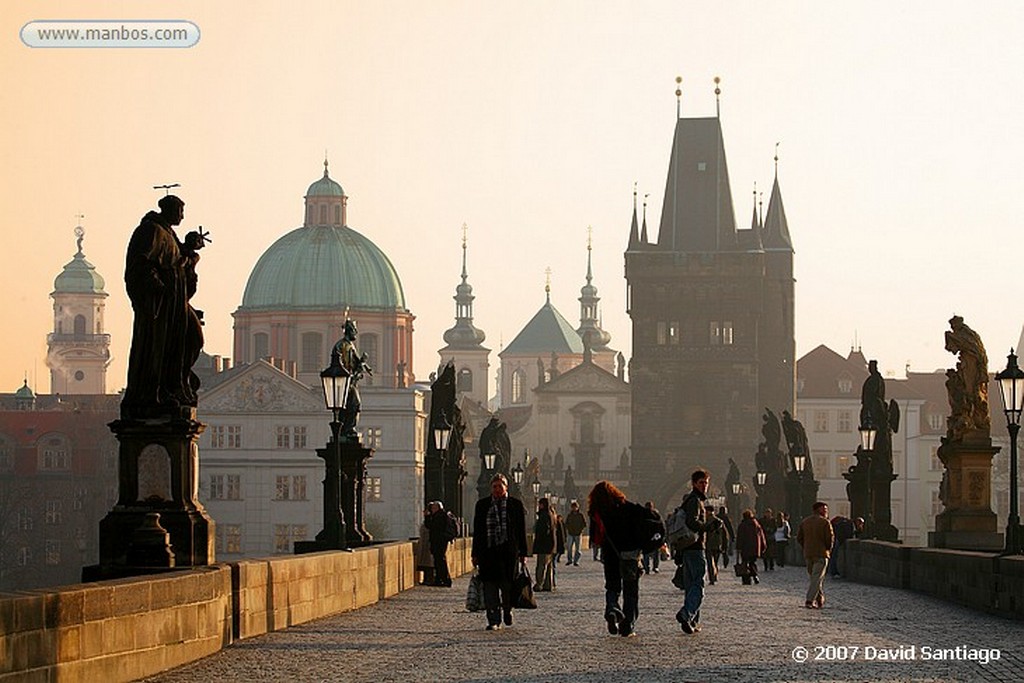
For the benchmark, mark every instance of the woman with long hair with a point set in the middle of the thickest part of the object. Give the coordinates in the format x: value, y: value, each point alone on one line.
x: 614, y: 526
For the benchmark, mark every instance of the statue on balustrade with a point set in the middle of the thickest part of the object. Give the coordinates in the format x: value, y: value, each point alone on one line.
x: 357, y: 367
x: 967, y: 385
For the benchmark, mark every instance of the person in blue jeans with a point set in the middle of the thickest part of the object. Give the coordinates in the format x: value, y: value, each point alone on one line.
x: 614, y: 525
x: 692, y: 557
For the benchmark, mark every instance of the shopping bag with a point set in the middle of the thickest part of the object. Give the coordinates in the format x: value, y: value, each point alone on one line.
x: 522, y: 589
x: 475, y: 594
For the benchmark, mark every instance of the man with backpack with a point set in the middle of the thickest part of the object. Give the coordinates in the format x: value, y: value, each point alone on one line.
x: 689, y: 549
x: 443, y: 529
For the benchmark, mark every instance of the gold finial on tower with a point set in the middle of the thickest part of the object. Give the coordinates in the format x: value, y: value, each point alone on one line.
x: 679, y: 95
x: 718, y: 91
x: 776, y: 159
x: 465, y: 230
x: 590, y: 237
x: 547, y: 283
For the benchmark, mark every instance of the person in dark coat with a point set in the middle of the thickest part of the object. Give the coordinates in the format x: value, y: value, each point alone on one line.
x: 723, y: 514
x: 750, y: 545
x: 499, y: 547
x: 543, y: 545
x: 437, y: 524
x: 614, y: 522
x: 768, y: 525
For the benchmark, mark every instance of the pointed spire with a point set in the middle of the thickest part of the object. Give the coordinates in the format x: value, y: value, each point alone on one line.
x: 590, y: 319
x: 760, y: 209
x: 643, y: 231
x: 464, y: 334
x: 775, y: 225
x: 590, y: 248
x: 547, y: 284
x: 776, y: 161
x: 754, y: 223
x: 634, y: 235
x: 326, y: 174
x: 679, y: 97
x: 718, y: 92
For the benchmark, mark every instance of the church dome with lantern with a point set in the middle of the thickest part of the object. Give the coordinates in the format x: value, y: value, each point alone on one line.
x: 299, y: 291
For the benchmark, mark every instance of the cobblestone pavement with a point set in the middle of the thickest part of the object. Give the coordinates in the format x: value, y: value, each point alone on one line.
x: 750, y: 633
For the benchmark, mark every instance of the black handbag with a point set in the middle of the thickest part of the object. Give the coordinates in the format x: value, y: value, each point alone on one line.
x: 522, y: 589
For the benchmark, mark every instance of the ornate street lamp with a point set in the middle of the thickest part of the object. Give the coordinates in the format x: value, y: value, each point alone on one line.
x: 535, y: 487
x: 517, y: 474
x: 799, y: 463
x: 1011, y: 390
x: 867, y: 436
x: 442, y: 433
x: 336, y: 382
x: 489, y: 459
x: 762, y: 477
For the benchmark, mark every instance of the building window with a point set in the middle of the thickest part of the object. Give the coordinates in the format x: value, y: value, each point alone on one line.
x: 234, y: 487
x: 79, y: 325
x: 79, y: 501
x: 25, y: 519
x: 714, y: 333
x: 821, y: 420
x: 216, y: 436
x: 844, y: 464
x: 282, y: 489
x: 662, y: 333
x: 935, y: 421
x: 282, y: 538
x: 518, y: 382
x: 299, y: 487
x: 673, y: 333
x: 845, y: 385
x: 464, y: 380
x: 54, y: 454
x: 234, y: 436
x: 260, y: 345
x: 216, y: 487
x: 300, y: 532
x: 284, y: 437
x: 54, y: 510
x: 845, y: 422
x: 337, y: 215
x: 372, y: 489
x: 298, y: 436
x: 373, y: 437
x: 233, y: 537
x: 821, y: 466
x: 312, y: 352
x: 52, y: 552
x: 24, y: 556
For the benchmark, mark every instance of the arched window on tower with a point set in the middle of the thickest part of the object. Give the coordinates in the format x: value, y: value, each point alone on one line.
x: 518, y: 385
x: 260, y: 346
x: 79, y: 325
x: 310, y: 214
x: 464, y: 380
x: 312, y: 352
x: 337, y: 215
x: 323, y: 214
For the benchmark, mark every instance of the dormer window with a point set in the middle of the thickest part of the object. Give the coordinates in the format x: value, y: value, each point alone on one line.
x: 845, y: 385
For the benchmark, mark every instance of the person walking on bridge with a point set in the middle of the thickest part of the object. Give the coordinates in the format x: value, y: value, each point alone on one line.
x: 815, y: 535
x: 694, y: 562
x: 499, y: 547
x: 575, y: 523
x: 614, y: 526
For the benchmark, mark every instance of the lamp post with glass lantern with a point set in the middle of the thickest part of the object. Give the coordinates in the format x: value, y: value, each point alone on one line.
x: 486, y: 472
x: 760, y: 481
x: 858, y: 488
x: 517, y: 481
x: 1011, y: 390
x: 336, y: 382
x: 734, y: 503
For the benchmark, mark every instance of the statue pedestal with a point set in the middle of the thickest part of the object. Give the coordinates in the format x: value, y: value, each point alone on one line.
x: 967, y: 522
x: 159, y: 473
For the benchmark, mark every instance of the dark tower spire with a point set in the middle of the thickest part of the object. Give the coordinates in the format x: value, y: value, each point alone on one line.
x: 643, y: 231
x: 776, y: 228
x: 634, y: 236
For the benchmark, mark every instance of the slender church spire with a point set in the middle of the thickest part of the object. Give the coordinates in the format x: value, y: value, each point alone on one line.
x: 590, y: 320
x: 776, y: 228
x: 464, y: 334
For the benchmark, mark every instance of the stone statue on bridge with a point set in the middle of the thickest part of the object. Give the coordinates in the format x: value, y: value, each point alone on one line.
x: 967, y: 385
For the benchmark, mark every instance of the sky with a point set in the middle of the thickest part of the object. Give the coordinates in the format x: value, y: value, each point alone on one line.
x: 899, y: 131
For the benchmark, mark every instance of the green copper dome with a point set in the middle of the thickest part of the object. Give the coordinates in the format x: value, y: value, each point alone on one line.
x: 79, y: 276
x: 325, y: 187
x: 324, y: 267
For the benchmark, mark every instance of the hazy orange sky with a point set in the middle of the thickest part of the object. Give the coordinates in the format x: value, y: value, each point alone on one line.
x: 899, y: 123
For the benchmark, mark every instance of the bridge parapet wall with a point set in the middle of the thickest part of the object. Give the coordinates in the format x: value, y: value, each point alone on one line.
x: 982, y: 581
x: 126, y: 629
